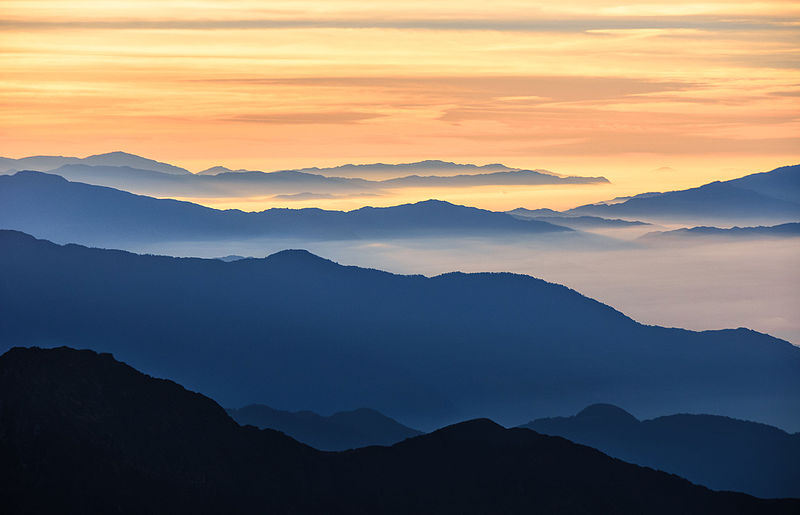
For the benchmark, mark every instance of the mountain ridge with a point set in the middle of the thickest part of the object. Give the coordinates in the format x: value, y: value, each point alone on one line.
x: 716, y: 451
x: 149, y: 445
x: 501, y: 345
x: 773, y: 195
x: 50, y: 206
x: 340, y: 431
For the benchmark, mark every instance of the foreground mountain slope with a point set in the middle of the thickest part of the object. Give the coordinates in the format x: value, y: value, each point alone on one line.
x: 304, y: 331
x: 51, y: 207
x: 763, y: 197
x: 337, y: 432
x: 98, y: 437
x: 719, y: 452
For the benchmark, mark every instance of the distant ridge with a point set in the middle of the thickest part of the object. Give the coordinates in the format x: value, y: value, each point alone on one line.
x: 110, y: 159
x: 52, y: 207
x: 337, y: 432
x: 788, y: 230
x: 718, y: 452
x: 146, y: 176
x: 767, y: 196
x: 572, y: 221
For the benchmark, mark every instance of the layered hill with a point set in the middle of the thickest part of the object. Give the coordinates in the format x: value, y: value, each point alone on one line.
x: 761, y: 197
x: 788, y: 230
x: 340, y: 431
x: 83, y: 433
x: 49, y: 206
x: 573, y: 221
x: 718, y: 452
x: 110, y: 159
x: 146, y: 176
x: 304, y: 331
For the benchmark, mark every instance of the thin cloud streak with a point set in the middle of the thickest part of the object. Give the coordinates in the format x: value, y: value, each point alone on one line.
x: 705, y: 23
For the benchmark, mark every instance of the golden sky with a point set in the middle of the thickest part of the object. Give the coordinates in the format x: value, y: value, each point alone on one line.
x: 653, y: 95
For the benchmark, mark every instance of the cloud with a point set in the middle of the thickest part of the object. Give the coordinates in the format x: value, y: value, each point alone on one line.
x: 304, y: 118
x: 512, y: 89
x: 708, y: 23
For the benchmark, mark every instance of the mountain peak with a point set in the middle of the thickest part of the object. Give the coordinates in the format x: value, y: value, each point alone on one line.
x: 115, y: 153
x: 33, y: 175
x: 214, y: 170
x: 606, y: 412
x: 120, y: 158
x: 297, y: 256
x: 475, y: 428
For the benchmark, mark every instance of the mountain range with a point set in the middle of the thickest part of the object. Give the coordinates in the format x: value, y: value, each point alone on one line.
x: 718, y: 452
x: 343, y: 430
x: 573, y: 221
x: 788, y: 230
x: 111, y: 159
x: 49, y: 206
x: 761, y: 197
x: 301, y: 330
x: 84, y: 433
x: 146, y: 176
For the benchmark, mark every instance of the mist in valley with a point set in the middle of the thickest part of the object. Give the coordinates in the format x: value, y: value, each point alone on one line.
x: 696, y: 285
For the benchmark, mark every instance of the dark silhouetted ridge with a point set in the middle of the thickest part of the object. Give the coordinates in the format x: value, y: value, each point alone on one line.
x: 83, y: 433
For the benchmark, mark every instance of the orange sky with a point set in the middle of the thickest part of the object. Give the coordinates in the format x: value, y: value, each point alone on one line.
x: 708, y: 90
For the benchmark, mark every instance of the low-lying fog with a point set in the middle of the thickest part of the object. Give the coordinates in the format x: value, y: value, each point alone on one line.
x: 708, y: 285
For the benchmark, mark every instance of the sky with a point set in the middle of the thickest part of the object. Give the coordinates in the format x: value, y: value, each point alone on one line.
x: 654, y: 95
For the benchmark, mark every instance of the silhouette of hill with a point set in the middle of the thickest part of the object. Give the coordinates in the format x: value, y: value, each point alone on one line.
x: 84, y: 433
x: 231, y: 257
x: 304, y: 331
x: 216, y: 170
x: 790, y: 230
x: 378, y: 171
x: 338, y: 432
x: 52, y: 207
x: 768, y: 196
x: 250, y: 182
x: 510, y: 178
x: 574, y: 221
x: 229, y: 183
x: 110, y: 160
x: 148, y: 177
x: 782, y: 183
x: 718, y: 452
x: 40, y: 163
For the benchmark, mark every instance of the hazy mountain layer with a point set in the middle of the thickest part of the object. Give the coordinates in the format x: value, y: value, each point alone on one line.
x: 337, y: 432
x: 573, y: 221
x: 718, y: 452
x: 111, y: 159
x: 145, y: 176
x: 83, y: 433
x: 768, y: 196
x: 304, y: 331
x: 51, y: 207
x: 789, y: 230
